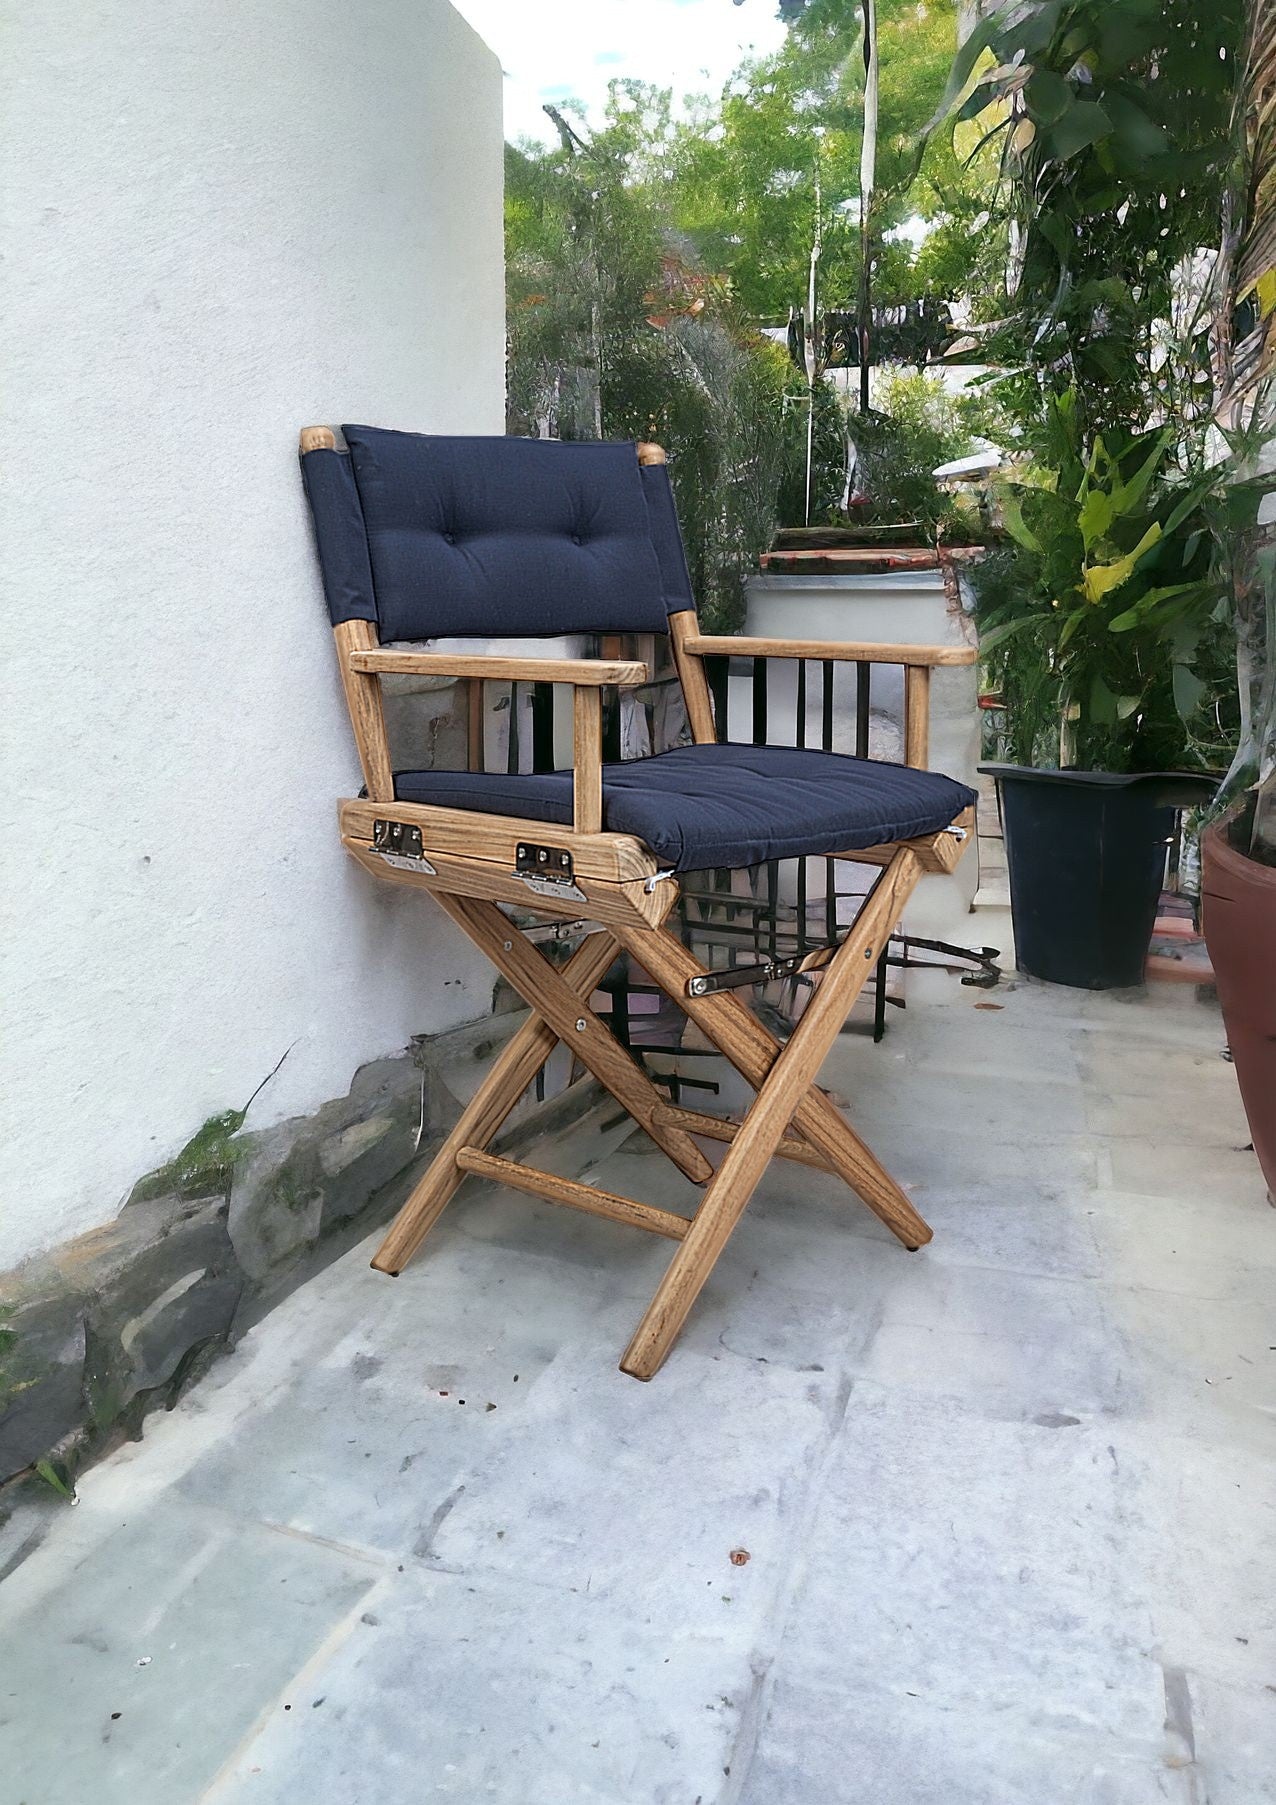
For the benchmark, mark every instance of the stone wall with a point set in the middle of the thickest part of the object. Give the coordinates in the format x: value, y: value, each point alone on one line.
x: 116, y: 1322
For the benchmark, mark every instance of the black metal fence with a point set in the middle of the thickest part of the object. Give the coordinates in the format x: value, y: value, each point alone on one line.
x: 752, y: 920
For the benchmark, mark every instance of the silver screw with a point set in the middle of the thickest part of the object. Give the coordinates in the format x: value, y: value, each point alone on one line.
x: 581, y: 1024
x: 507, y: 945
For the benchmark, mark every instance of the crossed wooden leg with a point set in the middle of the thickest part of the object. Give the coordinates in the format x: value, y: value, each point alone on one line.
x: 560, y: 1013
x: 785, y: 1079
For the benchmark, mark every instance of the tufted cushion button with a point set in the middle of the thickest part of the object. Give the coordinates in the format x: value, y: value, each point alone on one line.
x: 576, y: 539
x: 450, y: 537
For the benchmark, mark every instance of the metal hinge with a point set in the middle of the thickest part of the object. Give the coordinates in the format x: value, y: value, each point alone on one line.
x: 739, y: 977
x: 399, y: 844
x: 548, y: 870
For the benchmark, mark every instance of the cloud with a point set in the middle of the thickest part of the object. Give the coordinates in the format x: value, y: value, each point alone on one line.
x: 551, y: 48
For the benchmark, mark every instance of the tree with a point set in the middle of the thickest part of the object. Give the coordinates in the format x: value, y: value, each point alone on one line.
x: 616, y: 330
x: 743, y: 167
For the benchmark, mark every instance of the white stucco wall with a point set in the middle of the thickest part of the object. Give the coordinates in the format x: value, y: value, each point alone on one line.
x: 225, y: 219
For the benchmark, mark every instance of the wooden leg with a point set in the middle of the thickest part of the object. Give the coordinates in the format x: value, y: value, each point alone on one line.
x: 557, y: 1003
x: 790, y: 1077
x: 512, y: 1072
x: 753, y: 1050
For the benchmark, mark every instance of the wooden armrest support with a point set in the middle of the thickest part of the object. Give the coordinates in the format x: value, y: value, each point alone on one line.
x: 732, y: 645
x: 591, y: 672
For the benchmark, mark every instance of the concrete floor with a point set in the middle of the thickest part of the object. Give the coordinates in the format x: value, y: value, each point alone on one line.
x: 1008, y: 1503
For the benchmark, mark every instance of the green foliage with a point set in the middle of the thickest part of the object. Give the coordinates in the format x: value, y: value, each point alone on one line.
x: 1108, y: 618
x: 742, y: 169
x: 1112, y: 121
x: 206, y: 1164
x: 916, y: 426
x: 616, y: 331
x: 57, y: 1480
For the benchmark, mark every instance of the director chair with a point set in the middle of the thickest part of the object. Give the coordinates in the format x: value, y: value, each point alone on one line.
x: 423, y: 537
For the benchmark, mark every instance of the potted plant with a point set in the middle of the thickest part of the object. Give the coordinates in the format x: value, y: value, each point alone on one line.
x: 1103, y: 619
x: 1096, y: 635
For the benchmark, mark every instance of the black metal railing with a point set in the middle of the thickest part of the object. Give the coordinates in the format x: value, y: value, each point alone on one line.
x: 774, y: 911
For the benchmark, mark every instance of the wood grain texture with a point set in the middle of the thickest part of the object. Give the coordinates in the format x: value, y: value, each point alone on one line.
x: 695, y: 686
x: 317, y: 438
x: 624, y: 673
x: 587, y: 761
x: 541, y: 986
x: 936, y: 853
x: 576, y: 1196
x: 363, y: 699
x: 722, y: 1128
x: 718, y: 645
x: 651, y: 453
x: 474, y: 760
x: 784, y: 1087
x: 917, y: 716
x: 753, y: 1050
x: 616, y: 858
x: 624, y: 905
x: 481, y: 1119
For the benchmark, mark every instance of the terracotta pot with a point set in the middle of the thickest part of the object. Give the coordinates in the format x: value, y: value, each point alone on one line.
x: 1238, y: 914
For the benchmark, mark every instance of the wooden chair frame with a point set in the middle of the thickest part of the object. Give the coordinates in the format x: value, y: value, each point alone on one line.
x: 472, y: 862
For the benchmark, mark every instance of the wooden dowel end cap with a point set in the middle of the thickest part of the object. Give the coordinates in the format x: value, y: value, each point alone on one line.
x: 317, y: 438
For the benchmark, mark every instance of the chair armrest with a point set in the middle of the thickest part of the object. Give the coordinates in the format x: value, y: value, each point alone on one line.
x: 732, y: 645
x: 590, y: 672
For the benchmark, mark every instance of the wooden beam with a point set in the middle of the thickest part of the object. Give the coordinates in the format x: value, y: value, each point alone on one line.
x: 385, y: 661
x: 935, y: 852
x: 468, y: 833
x: 718, y: 1128
x: 695, y: 687
x: 589, y: 1198
x: 753, y: 1050
x: 587, y: 761
x: 731, y: 645
x: 363, y: 699
x: 788, y: 1081
x: 575, y: 1023
x: 917, y: 716
x: 513, y: 1070
x: 590, y: 898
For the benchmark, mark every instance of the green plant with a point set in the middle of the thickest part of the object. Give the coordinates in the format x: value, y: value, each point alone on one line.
x: 616, y: 331
x: 205, y: 1165
x: 1244, y: 337
x: 1116, y: 607
x: 916, y: 426
x: 1113, y: 122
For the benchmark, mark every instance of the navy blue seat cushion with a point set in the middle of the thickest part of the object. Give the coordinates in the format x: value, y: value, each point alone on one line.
x: 698, y: 807
x: 509, y: 536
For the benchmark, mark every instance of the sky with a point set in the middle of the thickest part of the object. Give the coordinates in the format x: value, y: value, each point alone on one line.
x: 554, y: 50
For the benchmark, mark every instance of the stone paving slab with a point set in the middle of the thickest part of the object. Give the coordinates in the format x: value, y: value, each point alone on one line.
x: 135, y: 1672
x: 451, y: 1688
x: 1008, y: 1504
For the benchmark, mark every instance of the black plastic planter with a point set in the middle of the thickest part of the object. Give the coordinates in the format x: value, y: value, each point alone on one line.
x: 1085, y: 851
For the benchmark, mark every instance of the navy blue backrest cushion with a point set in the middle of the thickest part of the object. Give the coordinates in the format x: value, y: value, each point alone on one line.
x: 666, y: 536
x: 508, y: 536
x: 340, y: 538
